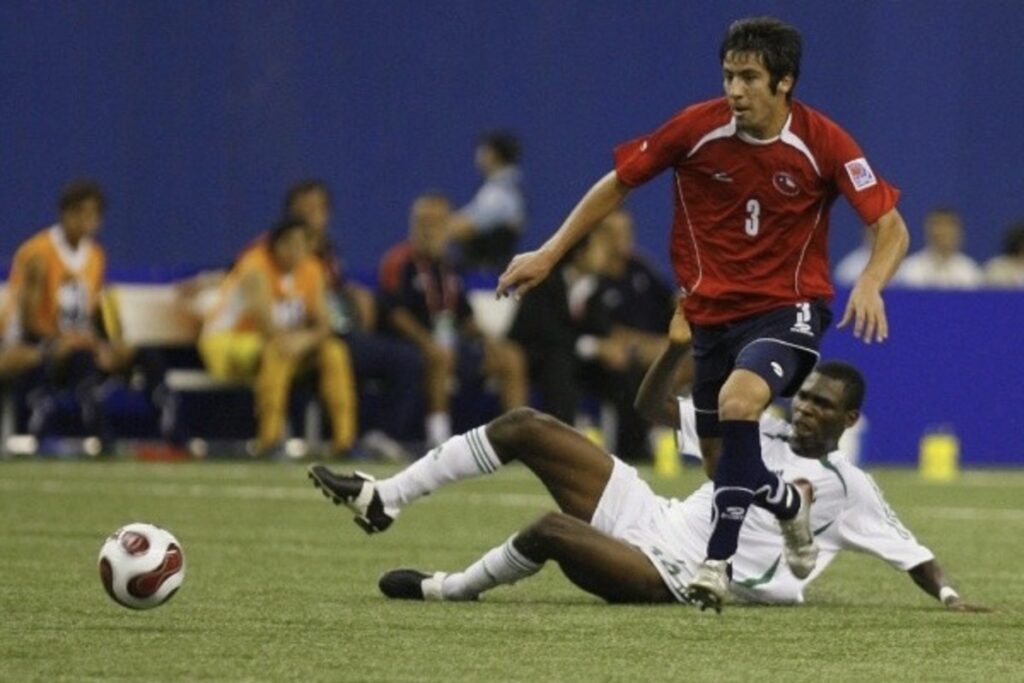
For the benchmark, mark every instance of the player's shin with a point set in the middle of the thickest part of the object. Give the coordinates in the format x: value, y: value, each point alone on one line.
x: 460, y: 457
x: 500, y: 566
x: 739, y: 471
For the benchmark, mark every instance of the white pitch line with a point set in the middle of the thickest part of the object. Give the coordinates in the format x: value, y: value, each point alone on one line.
x: 251, y: 492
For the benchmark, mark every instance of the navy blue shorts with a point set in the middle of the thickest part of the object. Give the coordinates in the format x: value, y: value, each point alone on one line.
x: 781, y: 346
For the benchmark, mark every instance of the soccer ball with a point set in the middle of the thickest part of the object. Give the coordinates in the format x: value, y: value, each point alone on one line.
x: 141, y: 566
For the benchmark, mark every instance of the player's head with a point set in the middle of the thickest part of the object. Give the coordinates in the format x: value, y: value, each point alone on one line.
x: 944, y: 231
x: 428, y: 224
x: 81, y: 205
x: 496, y: 149
x: 760, y: 59
x: 310, y: 201
x: 826, y: 405
x: 289, y: 243
x: 617, y: 232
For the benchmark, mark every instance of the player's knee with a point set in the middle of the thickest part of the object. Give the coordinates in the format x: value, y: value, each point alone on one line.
x: 515, y: 428
x: 739, y: 407
x: 552, y: 529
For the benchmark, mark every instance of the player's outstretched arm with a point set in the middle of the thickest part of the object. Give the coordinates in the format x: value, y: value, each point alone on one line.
x: 656, y: 398
x: 932, y: 580
x: 865, y: 307
x: 527, y: 270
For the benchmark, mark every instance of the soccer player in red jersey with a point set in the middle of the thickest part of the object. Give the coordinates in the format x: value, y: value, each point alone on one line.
x: 756, y: 174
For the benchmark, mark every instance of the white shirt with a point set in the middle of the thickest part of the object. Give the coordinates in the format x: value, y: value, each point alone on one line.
x: 852, y: 265
x: 924, y: 269
x: 849, y: 513
x: 499, y: 202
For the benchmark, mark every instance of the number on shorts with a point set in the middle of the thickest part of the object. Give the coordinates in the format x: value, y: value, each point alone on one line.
x: 753, y: 223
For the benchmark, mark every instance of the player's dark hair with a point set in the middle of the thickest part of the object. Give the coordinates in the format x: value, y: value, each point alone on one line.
x: 283, y: 228
x: 1013, y: 240
x: 78, y: 191
x: 946, y: 212
x: 302, y: 188
x: 853, y: 382
x: 503, y: 143
x: 777, y: 43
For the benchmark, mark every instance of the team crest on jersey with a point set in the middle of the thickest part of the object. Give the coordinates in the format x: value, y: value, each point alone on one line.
x: 860, y: 174
x: 785, y: 184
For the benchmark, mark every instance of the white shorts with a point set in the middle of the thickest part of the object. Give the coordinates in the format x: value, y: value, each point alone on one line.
x: 631, y: 512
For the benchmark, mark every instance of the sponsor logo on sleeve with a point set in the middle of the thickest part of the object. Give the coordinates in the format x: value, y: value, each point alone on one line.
x: 861, y: 174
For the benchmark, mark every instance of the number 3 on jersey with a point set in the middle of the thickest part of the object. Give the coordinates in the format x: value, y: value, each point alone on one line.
x: 753, y: 223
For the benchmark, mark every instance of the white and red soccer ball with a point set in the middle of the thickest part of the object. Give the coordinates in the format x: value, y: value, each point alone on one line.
x: 141, y: 566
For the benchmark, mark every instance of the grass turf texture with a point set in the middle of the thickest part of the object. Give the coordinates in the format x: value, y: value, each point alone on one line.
x: 281, y: 585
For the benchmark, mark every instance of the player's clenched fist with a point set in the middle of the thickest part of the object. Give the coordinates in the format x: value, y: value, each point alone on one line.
x: 525, y: 272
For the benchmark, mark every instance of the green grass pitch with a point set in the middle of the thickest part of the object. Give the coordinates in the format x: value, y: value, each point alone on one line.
x: 281, y: 585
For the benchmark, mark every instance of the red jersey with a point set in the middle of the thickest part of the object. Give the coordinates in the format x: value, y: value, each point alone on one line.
x: 750, y: 231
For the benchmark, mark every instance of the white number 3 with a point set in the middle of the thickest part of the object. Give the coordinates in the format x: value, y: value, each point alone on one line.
x: 753, y: 223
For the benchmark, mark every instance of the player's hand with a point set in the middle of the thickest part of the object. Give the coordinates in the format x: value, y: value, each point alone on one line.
x: 525, y: 272
x: 959, y: 605
x: 867, y: 312
x: 613, y: 354
x: 679, y: 331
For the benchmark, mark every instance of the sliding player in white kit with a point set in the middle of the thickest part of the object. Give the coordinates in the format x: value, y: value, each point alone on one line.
x: 618, y: 540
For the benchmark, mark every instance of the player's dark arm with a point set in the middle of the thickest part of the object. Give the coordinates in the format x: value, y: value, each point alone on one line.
x: 673, y: 369
x: 930, y: 578
x: 865, y: 307
x: 31, y: 300
x: 406, y: 324
x: 527, y: 270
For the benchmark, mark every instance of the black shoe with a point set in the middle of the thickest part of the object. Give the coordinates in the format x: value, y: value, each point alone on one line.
x: 410, y: 584
x: 358, y: 493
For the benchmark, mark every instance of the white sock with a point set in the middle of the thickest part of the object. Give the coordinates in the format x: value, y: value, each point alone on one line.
x: 500, y: 566
x: 439, y: 428
x: 460, y: 457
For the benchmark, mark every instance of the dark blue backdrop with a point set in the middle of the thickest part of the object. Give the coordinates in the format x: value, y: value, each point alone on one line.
x: 195, y: 115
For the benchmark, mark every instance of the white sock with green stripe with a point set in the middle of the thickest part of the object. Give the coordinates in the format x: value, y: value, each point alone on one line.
x: 500, y: 566
x: 460, y: 457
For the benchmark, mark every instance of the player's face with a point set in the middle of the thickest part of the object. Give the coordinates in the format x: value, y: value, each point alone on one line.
x: 290, y: 250
x: 758, y: 111
x: 314, y: 209
x: 945, y: 234
x: 83, y: 220
x: 429, y: 226
x: 619, y: 231
x: 819, y: 416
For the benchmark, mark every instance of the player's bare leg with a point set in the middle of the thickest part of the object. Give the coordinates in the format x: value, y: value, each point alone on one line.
x: 593, y: 561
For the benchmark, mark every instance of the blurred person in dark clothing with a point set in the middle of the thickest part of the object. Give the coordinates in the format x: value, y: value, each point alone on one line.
x: 567, y: 333
x: 639, y: 300
x: 425, y: 304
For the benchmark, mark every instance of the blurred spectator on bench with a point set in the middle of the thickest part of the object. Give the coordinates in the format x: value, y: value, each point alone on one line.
x: 425, y: 304
x: 353, y: 317
x: 638, y: 299
x: 54, y: 306
x: 269, y: 324
x: 487, y: 230
x: 567, y: 333
x: 941, y: 264
x: 1007, y: 269
x: 852, y: 265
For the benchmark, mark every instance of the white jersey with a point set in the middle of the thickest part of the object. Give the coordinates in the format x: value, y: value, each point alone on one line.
x: 849, y: 513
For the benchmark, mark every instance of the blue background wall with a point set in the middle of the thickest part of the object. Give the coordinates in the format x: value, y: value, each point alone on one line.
x: 195, y: 115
